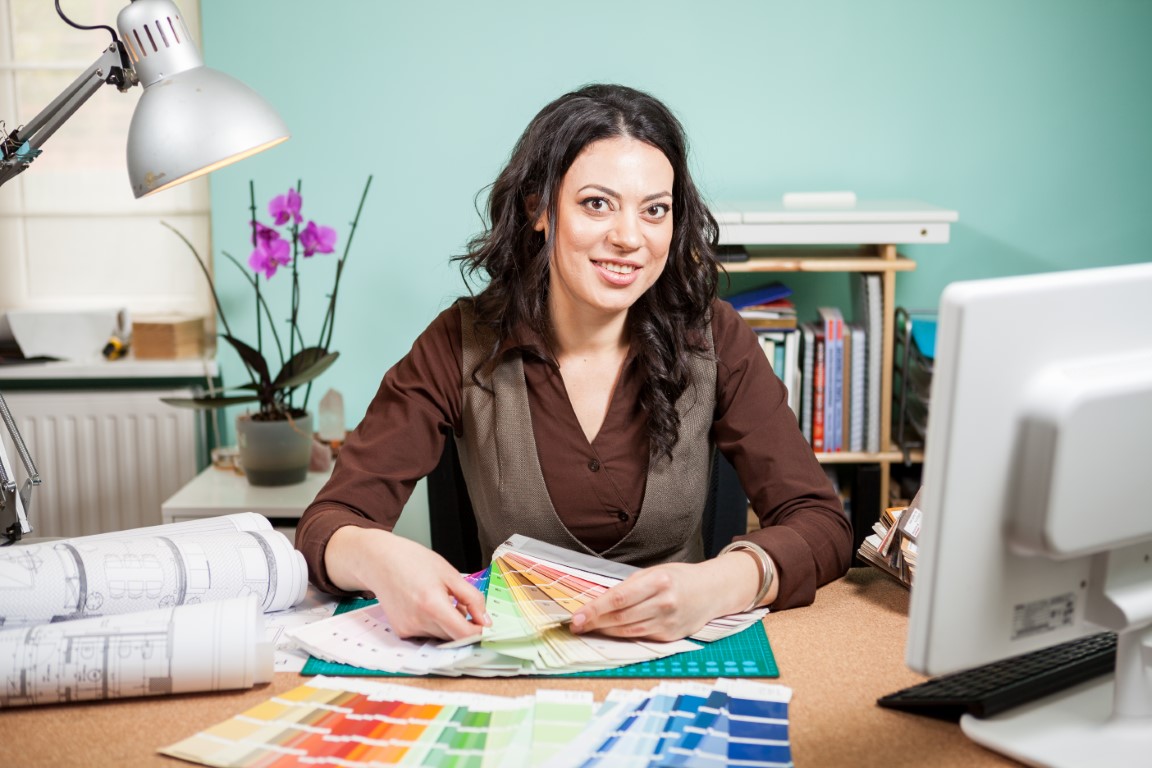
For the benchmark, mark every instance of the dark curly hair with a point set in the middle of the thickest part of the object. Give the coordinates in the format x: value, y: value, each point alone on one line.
x: 668, y: 321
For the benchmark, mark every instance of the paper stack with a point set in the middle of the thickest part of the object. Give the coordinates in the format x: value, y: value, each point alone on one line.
x: 892, y: 545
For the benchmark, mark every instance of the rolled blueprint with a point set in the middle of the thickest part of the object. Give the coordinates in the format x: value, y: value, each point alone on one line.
x: 207, y: 647
x: 149, y: 568
x: 237, y: 521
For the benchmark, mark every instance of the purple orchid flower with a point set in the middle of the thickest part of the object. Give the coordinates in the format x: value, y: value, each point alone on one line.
x: 286, y: 207
x: 317, y: 239
x: 272, y: 251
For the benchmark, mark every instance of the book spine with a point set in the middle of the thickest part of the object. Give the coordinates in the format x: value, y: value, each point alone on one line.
x: 838, y: 384
x: 859, y: 388
x: 846, y: 390
x: 833, y: 326
x: 875, y: 332
x: 806, y: 369
x: 791, y: 370
x: 768, y: 344
x: 818, y: 393
x: 829, y: 360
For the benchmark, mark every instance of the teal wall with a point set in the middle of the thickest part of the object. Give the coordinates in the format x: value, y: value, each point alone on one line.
x: 1031, y: 119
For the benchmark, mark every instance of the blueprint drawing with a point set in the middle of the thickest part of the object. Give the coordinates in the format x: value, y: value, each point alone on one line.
x: 149, y: 568
x: 201, y: 647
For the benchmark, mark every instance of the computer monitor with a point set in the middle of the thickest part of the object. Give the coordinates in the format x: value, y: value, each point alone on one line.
x: 1037, y: 501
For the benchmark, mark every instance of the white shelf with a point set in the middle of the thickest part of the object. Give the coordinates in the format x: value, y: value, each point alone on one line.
x: 221, y: 492
x: 868, y: 222
x: 127, y: 368
x: 877, y: 225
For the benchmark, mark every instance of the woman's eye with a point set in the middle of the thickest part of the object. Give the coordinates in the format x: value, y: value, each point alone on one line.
x: 596, y: 204
x: 658, y: 211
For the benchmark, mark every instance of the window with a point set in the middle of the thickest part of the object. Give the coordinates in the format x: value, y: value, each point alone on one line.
x: 71, y: 233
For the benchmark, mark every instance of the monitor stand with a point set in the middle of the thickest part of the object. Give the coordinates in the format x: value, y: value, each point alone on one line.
x: 1079, y: 727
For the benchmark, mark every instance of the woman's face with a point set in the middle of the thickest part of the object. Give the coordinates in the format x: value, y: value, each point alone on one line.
x: 613, y: 227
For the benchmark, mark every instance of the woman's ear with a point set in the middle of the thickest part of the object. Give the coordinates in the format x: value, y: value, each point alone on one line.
x: 541, y: 222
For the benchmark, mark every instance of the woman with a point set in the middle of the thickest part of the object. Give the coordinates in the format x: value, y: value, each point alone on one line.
x: 586, y: 386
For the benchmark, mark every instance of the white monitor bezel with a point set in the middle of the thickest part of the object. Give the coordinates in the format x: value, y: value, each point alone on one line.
x: 978, y: 599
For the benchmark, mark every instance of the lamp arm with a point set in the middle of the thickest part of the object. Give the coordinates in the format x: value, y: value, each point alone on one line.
x: 20, y: 147
x: 14, y: 503
x: 17, y: 151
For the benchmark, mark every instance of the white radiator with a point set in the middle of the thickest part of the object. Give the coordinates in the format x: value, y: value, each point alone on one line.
x: 107, y: 459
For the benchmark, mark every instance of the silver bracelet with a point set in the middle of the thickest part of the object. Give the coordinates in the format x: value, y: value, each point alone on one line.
x: 763, y: 563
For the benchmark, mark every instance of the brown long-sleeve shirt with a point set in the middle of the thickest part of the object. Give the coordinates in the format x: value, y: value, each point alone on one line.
x: 596, y: 488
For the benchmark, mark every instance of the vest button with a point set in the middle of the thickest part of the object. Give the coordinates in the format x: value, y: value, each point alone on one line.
x: 622, y: 517
x: 594, y: 465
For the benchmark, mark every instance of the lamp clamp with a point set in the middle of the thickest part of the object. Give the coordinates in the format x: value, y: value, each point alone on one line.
x: 20, y: 147
x: 14, y: 502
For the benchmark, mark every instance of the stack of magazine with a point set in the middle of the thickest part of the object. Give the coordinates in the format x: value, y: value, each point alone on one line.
x: 891, y: 546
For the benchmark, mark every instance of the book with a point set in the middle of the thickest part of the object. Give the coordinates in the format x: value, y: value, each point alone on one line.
x: 808, y: 342
x: 833, y: 322
x: 792, y: 370
x: 867, y: 309
x: 782, y: 348
x: 818, y: 387
x: 761, y: 295
x: 859, y: 387
x: 780, y: 313
x: 768, y: 344
x: 846, y: 391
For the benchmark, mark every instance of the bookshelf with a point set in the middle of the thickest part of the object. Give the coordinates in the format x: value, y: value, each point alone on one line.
x: 862, y: 237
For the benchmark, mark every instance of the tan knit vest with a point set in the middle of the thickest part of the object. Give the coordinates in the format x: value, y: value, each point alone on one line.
x: 502, y: 468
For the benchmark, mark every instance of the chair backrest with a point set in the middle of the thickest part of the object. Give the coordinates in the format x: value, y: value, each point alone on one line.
x: 726, y: 511
x: 452, y: 522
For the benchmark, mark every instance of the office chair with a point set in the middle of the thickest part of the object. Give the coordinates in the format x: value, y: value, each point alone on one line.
x: 452, y: 522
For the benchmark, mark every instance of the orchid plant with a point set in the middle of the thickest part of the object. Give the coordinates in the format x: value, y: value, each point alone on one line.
x: 286, y: 243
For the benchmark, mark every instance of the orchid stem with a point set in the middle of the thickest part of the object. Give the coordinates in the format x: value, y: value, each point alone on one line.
x: 211, y: 283
x: 329, y: 323
x: 262, y: 303
x: 256, y: 279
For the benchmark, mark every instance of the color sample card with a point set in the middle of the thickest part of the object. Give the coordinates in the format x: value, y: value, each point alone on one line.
x: 325, y: 723
x: 747, y: 654
x: 532, y: 590
x: 351, y: 722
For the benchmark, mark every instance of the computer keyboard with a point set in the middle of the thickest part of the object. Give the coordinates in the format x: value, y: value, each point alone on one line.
x: 1001, y: 685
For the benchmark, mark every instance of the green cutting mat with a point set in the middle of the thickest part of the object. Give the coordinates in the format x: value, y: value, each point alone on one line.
x: 745, y: 654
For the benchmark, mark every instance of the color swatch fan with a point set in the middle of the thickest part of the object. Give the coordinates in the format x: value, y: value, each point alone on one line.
x: 533, y: 588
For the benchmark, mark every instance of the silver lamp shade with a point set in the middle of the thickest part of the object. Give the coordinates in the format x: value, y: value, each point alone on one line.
x: 191, y: 119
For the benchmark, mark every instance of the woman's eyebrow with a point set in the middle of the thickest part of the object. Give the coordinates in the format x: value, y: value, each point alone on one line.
x: 613, y: 193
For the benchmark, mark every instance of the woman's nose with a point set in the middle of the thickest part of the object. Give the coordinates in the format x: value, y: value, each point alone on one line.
x: 626, y: 232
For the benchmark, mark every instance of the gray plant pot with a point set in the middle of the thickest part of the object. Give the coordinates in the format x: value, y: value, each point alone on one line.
x: 274, y: 452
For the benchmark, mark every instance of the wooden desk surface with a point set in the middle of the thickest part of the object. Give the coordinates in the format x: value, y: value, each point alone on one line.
x: 837, y: 655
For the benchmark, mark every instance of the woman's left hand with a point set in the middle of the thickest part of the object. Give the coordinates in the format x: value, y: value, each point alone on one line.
x: 671, y: 601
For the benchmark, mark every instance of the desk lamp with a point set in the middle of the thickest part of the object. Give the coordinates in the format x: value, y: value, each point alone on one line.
x: 190, y: 120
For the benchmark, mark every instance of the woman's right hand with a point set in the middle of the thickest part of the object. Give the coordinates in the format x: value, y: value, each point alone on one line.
x: 420, y: 592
